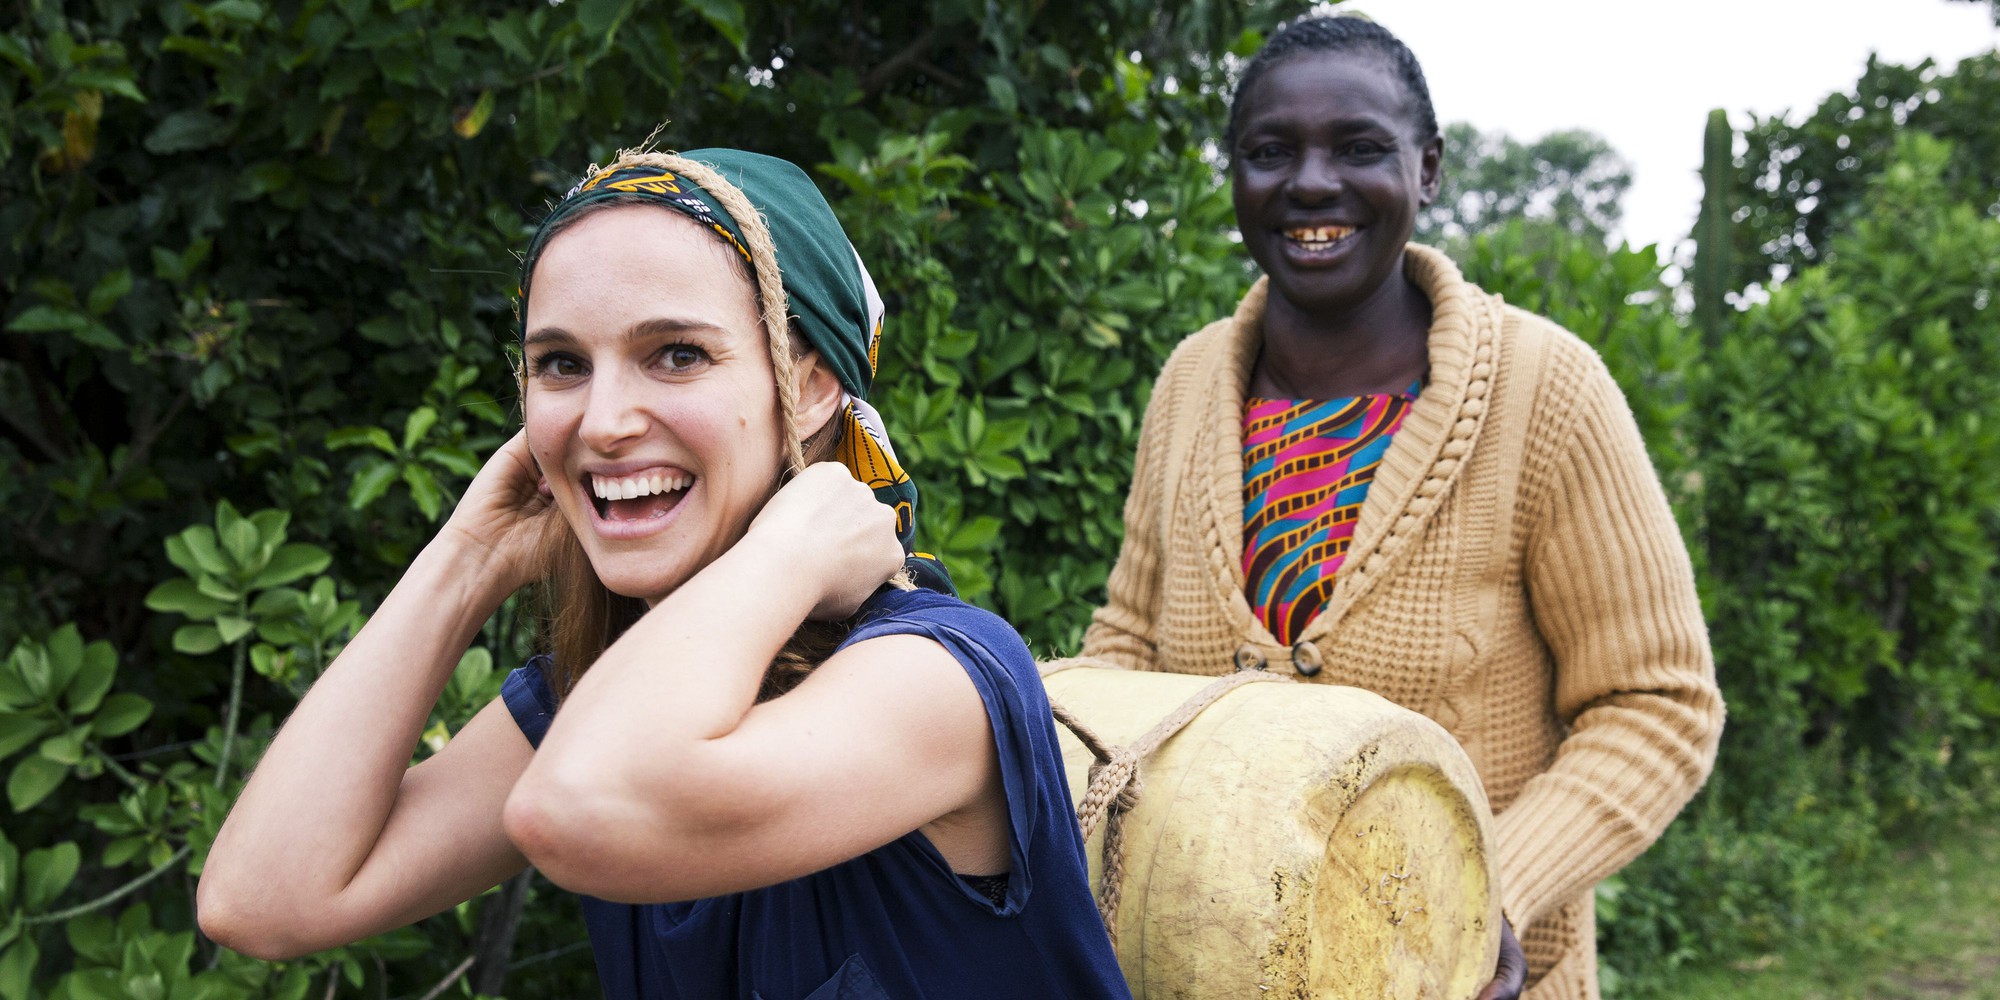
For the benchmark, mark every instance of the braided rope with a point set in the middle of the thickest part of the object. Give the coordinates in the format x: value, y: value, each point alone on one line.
x: 1115, y: 780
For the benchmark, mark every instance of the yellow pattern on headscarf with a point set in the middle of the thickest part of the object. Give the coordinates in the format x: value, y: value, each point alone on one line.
x: 865, y: 457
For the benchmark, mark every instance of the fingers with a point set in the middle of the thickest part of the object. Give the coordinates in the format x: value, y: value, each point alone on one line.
x: 1510, y: 973
x: 850, y: 535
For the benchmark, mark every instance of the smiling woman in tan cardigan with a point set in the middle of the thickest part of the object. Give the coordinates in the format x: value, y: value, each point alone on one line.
x: 1513, y: 571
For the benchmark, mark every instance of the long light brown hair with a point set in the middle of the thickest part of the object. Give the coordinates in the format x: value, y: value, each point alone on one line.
x: 583, y: 617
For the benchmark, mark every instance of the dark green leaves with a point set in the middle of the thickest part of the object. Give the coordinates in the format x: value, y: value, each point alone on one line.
x: 187, y: 131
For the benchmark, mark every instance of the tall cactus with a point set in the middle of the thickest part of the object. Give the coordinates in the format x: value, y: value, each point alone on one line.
x: 1712, y: 237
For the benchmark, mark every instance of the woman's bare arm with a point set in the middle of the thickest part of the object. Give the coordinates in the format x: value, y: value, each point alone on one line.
x: 661, y: 779
x: 335, y: 837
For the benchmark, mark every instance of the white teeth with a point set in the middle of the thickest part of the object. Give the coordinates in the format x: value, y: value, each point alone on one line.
x: 633, y: 487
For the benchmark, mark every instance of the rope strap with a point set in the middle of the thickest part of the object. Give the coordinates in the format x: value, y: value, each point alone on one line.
x: 1115, y: 781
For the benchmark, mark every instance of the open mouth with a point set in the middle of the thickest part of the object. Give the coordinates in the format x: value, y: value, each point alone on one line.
x: 638, y: 497
x: 1317, y: 238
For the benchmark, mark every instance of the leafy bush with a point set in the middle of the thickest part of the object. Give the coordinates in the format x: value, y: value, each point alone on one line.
x: 259, y: 257
x: 1846, y: 441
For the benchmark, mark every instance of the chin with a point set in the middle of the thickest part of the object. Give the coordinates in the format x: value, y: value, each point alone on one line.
x: 649, y: 583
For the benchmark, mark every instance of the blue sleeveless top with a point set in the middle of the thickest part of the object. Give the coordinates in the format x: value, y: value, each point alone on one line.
x: 895, y: 923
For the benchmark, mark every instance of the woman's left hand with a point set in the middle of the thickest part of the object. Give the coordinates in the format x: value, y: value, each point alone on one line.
x: 1510, y: 975
x: 829, y: 528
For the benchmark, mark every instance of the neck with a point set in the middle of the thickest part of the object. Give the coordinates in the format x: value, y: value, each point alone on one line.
x: 1380, y: 346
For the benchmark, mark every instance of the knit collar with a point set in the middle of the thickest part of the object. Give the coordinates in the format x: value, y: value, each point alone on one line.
x: 1416, y: 473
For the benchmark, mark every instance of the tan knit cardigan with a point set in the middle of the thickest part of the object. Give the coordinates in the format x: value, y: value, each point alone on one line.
x: 1516, y: 575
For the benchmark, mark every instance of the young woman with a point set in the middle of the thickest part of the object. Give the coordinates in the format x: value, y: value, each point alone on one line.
x: 1376, y: 474
x: 769, y: 774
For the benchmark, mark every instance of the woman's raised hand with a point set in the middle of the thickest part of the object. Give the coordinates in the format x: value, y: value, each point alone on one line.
x: 502, y: 511
x: 828, y: 527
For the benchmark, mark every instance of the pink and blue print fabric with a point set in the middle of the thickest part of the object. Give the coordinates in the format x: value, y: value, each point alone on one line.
x: 1307, y: 466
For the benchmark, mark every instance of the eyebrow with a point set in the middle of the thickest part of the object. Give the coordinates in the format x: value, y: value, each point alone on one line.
x: 645, y: 328
x: 1279, y: 121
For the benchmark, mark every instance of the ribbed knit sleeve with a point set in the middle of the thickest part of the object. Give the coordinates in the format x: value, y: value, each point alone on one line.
x: 1613, y: 596
x: 1121, y: 633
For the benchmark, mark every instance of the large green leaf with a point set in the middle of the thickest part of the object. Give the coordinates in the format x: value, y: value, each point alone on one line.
x: 420, y: 422
x: 195, y: 551
x: 726, y: 17
x: 17, y: 731
x: 241, y: 540
x: 601, y: 18
x: 122, y: 713
x: 45, y: 873
x: 370, y: 483
x: 17, y: 969
x: 186, y: 131
x: 352, y: 437
x: 197, y: 640
x: 181, y: 596
x: 292, y: 562
x: 47, y: 319
x: 33, y: 778
x: 88, y: 687
x: 65, y: 650
x: 232, y: 627
x: 424, y: 490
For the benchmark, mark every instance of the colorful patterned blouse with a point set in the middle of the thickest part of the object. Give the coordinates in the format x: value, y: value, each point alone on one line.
x: 1307, y: 465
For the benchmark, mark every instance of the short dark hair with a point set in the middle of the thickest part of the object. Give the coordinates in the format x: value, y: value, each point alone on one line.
x: 1342, y: 33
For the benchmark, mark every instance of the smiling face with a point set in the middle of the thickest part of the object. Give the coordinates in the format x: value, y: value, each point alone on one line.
x: 1328, y: 173
x: 651, y: 403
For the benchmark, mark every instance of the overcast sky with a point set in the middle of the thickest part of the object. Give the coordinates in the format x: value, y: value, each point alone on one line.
x: 1644, y: 75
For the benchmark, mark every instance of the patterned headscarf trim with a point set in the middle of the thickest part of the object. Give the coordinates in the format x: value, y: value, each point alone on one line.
x: 831, y: 298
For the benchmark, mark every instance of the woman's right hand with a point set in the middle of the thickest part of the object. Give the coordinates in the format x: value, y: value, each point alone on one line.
x: 502, y: 513
x: 828, y: 526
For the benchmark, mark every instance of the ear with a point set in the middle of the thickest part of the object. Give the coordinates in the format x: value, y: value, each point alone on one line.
x: 1430, y: 167
x: 819, y: 392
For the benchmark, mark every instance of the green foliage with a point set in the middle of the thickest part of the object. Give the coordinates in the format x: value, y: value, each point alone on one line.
x: 260, y: 257
x: 1570, y: 183
x: 1713, y: 229
x: 1800, y: 184
x: 54, y: 693
x: 1846, y: 447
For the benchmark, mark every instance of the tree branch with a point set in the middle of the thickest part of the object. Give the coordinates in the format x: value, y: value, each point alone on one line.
x: 493, y: 945
x: 114, y: 895
x: 445, y: 983
x: 919, y: 47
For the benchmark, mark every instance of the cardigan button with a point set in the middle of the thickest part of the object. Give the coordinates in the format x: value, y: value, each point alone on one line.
x: 1305, y: 659
x: 1249, y: 657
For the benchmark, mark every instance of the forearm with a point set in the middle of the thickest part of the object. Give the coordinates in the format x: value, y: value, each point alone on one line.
x: 1620, y: 777
x: 319, y: 800
x: 639, y: 748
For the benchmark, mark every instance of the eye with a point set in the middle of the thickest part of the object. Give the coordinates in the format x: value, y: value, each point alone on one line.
x: 556, y: 364
x: 1366, y: 150
x: 682, y: 358
x: 1265, y: 153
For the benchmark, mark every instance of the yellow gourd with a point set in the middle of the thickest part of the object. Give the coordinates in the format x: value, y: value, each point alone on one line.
x: 1292, y: 841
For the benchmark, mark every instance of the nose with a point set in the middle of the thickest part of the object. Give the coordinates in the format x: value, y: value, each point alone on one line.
x: 1316, y: 180
x: 612, y: 416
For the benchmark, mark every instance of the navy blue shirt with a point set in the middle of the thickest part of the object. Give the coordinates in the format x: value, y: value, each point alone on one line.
x: 896, y: 922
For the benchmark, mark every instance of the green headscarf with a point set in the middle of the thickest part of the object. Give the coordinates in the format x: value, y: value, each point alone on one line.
x: 808, y: 276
